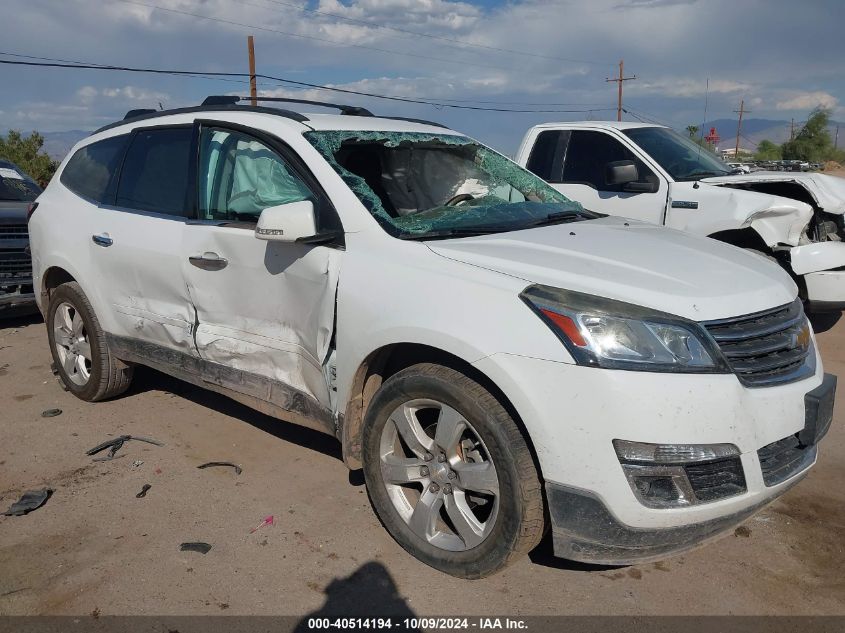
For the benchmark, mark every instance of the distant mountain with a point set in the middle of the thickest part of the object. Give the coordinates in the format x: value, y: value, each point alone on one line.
x: 58, y: 144
x: 755, y: 130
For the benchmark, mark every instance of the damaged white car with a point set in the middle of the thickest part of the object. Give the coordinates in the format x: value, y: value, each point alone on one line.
x: 497, y: 359
x: 651, y: 173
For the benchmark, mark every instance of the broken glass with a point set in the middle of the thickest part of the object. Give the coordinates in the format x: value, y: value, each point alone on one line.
x: 419, y: 183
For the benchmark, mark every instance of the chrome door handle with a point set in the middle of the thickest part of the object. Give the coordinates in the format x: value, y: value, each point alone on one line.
x: 209, y: 261
x: 102, y: 240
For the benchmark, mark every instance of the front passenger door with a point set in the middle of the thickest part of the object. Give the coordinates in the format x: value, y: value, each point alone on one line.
x: 264, y: 309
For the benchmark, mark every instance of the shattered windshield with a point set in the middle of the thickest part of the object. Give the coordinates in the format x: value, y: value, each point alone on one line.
x: 681, y: 157
x: 439, y: 185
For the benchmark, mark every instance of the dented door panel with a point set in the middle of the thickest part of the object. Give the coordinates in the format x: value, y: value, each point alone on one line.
x: 269, y: 311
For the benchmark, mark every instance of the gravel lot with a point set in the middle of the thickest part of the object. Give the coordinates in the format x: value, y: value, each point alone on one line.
x: 95, y: 548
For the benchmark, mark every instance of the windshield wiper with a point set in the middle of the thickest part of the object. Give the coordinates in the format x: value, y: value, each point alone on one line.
x: 704, y: 174
x: 463, y: 231
x: 562, y: 217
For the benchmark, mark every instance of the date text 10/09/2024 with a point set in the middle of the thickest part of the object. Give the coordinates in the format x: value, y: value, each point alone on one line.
x: 480, y: 623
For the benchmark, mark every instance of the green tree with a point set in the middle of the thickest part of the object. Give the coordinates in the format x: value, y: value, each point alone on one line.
x: 692, y: 130
x: 25, y: 152
x: 766, y: 150
x: 813, y: 142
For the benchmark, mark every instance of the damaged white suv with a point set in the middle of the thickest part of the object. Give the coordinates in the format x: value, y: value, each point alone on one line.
x: 497, y: 359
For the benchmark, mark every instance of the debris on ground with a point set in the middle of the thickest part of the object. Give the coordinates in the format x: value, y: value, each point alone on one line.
x: 268, y: 520
x: 238, y: 469
x: 143, y: 492
x: 115, y: 445
x: 198, y: 546
x: 137, y: 463
x: 31, y: 500
x: 51, y: 413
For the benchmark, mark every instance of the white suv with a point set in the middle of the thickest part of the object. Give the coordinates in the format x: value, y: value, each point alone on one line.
x: 497, y: 359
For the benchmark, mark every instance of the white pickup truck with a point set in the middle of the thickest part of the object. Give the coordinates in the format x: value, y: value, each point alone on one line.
x: 651, y: 173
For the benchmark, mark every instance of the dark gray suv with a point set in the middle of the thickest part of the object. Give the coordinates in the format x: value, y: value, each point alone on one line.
x: 17, y: 192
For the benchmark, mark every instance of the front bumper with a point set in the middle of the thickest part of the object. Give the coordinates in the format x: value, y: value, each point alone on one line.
x: 20, y: 300
x: 822, y: 264
x: 585, y: 530
x: 572, y: 415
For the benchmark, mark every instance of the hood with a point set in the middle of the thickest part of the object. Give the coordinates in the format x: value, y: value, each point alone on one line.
x: 715, y: 208
x: 828, y: 192
x: 679, y: 273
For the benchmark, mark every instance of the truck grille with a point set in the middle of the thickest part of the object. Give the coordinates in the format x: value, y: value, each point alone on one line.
x: 14, y: 232
x: 766, y: 348
x: 784, y: 458
x: 14, y: 265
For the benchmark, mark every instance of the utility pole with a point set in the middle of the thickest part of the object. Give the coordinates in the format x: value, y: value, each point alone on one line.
x: 619, y: 81
x: 792, y: 130
x: 836, y: 139
x: 253, y: 88
x: 741, y: 111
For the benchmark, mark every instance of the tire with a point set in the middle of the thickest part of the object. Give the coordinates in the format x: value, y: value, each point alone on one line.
x: 74, y: 331
x: 488, y: 515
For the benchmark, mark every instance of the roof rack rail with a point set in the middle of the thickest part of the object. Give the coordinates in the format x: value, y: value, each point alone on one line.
x: 138, y: 112
x: 232, y: 100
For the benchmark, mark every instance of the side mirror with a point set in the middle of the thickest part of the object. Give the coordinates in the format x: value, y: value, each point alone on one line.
x: 287, y: 222
x: 620, y: 172
x: 641, y: 187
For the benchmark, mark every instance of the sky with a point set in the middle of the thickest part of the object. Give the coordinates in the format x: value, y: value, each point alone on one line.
x: 782, y: 57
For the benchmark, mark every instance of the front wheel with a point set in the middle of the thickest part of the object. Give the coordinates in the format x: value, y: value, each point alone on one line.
x: 449, y: 473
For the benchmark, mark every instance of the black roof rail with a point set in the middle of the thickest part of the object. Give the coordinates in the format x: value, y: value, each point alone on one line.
x: 138, y: 112
x: 154, y: 114
x: 344, y: 109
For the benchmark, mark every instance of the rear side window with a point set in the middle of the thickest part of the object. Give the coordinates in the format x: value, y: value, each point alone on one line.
x: 154, y: 176
x: 546, y: 159
x: 91, y: 170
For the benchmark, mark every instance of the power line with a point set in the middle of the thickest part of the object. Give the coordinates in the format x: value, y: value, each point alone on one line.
x: 310, y: 37
x: 435, y: 37
x: 193, y: 73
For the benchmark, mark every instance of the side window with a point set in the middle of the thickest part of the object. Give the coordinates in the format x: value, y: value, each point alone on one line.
x: 587, y: 157
x: 91, y: 171
x: 239, y: 177
x: 546, y: 159
x: 155, y: 172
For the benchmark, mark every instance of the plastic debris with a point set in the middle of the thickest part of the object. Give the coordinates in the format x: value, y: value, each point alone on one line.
x: 51, y: 413
x: 31, y: 500
x: 143, y: 492
x: 137, y: 463
x: 202, y: 548
x: 238, y: 469
x: 268, y: 520
x: 115, y: 445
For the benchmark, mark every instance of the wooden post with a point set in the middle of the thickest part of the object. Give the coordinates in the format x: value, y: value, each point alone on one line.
x: 253, y: 88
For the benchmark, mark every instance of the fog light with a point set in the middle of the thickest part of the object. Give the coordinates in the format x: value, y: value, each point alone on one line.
x: 657, y: 473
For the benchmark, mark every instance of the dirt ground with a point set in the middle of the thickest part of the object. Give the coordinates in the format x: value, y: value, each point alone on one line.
x: 96, y: 548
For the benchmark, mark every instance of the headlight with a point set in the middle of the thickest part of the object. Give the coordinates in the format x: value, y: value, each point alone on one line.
x: 602, y: 332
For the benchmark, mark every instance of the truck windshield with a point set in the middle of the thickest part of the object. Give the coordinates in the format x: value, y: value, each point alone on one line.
x: 16, y: 188
x: 682, y: 158
x: 420, y: 186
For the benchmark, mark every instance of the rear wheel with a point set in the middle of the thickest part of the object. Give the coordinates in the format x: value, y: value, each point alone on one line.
x: 81, y: 357
x: 449, y: 473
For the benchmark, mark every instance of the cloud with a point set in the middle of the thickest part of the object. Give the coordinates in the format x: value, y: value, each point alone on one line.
x: 689, y: 88
x: 808, y: 101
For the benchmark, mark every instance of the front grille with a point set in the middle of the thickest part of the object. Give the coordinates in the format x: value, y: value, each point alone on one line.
x: 14, y: 232
x: 766, y: 348
x: 15, y: 264
x: 782, y: 459
x: 716, y: 480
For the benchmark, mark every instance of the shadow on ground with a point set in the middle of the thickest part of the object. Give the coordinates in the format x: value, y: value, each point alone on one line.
x: 368, y: 592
